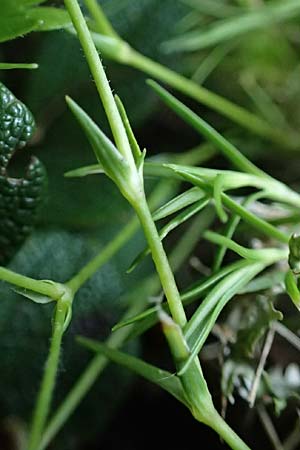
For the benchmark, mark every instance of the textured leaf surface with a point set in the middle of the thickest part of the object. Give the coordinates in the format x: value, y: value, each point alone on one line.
x: 20, y: 198
x: 25, y: 327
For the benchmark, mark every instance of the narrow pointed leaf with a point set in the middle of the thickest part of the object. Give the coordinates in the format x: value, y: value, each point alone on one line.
x: 93, y: 169
x: 174, y: 223
x: 109, y: 157
x: 139, y: 317
x: 33, y: 296
x: 225, y: 147
x: 264, y: 282
x: 177, y: 203
x: 208, y: 312
x: 233, y: 180
x: 235, y: 27
x: 136, y: 151
x: 255, y: 221
x: 191, y: 294
x: 162, y: 378
x: 5, y: 66
x: 247, y: 253
x: 199, y: 288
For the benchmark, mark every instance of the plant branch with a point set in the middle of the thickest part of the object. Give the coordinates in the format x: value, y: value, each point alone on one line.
x: 99, y: 362
x: 48, y: 382
x: 100, y: 78
x: 161, y: 262
x: 44, y: 287
x: 121, y: 52
x: 103, y: 24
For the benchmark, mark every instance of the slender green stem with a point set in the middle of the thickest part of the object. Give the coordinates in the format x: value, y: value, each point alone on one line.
x: 225, y: 432
x: 230, y: 229
x: 99, y: 362
x: 227, y: 108
x: 48, y: 382
x: 258, y: 223
x: 262, y: 254
x: 101, y: 258
x: 100, y: 78
x: 160, y: 194
x: 128, y: 56
x: 103, y: 24
x: 83, y: 384
x: 195, y: 387
x: 161, y: 262
x: 52, y: 290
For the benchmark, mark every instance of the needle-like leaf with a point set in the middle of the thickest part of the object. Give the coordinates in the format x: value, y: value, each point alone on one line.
x: 113, y: 163
x: 203, y: 320
x: 162, y: 378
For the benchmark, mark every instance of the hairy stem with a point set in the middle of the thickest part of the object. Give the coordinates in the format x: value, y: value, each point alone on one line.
x: 99, y: 362
x: 100, y: 78
x: 48, y: 382
x: 124, y: 54
x: 161, y: 262
x: 52, y: 290
x: 161, y: 192
x: 103, y: 24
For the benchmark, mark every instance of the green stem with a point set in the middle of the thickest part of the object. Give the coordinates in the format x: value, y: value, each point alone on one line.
x: 124, y: 54
x: 100, y: 78
x: 160, y: 194
x: 99, y: 362
x: 195, y: 387
x: 103, y: 24
x: 225, y: 432
x: 234, y: 112
x: 161, y: 262
x: 52, y: 290
x: 101, y: 258
x: 48, y: 382
x: 258, y: 223
x: 85, y: 381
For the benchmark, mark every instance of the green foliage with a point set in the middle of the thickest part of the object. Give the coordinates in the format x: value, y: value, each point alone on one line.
x: 20, y: 198
x: 59, y: 255
x: 21, y: 17
x: 244, y: 262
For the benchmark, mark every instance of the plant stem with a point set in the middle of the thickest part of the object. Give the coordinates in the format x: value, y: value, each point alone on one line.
x: 228, y: 109
x: 195, y: 387
x: 226, y: 432
x: 101, y: 258
x: 48, y: 382
x: 99, y: 362
x: 100, y: 78
x: 103, y: 24
x: 161, y: 262
x: 127, y: 55
x: 161, y: 193
x: 52, y: 290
